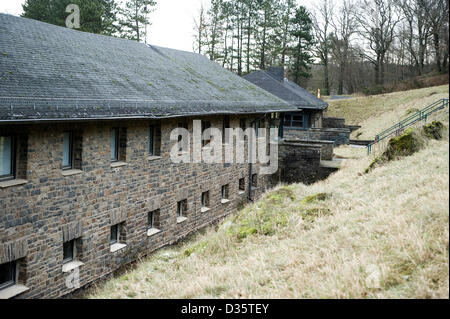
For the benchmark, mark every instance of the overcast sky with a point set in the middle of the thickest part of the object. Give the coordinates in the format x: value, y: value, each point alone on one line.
x: 172, y: 21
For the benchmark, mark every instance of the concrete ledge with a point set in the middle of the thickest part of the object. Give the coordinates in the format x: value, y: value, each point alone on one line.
x: 13, y: 291
x: 118, y: 164
x: 181, y: 219
x: 302, y: 140
x: 72, y: 172
x: 241, y: 192
x: 154, y: 158
x: 116, y: 247
x: 68, y: 267
x: 13, y: 182
x: 204, y: 209
x: 224, y: 201
x: 331, y: 164
x: 153, y: 231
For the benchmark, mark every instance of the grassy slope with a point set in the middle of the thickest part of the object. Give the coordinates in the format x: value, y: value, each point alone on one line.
x: 385, y: 109
x: 393, y: 222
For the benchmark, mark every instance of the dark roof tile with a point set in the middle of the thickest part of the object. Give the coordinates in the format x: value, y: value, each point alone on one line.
x: 286, y: 90
x: 50, y: 72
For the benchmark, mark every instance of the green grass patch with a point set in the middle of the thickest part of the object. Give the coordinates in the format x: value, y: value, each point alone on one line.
x: 315, y: 198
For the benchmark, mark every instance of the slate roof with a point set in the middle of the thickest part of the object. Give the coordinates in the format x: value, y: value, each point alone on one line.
x: 273, y: 81
x: 54, y: 73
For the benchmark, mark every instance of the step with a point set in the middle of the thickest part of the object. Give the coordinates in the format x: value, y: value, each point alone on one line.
x: 331, y: 164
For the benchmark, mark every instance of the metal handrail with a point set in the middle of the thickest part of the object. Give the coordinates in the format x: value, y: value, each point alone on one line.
x: 410, y: 120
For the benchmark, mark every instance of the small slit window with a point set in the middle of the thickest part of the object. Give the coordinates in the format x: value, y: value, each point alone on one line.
x: 182, y: 208
x: 255, y: 180
x: 114, y: 238
x: 242, y: 184
x: 7, y: 274
x: 180, y: 138
x: 225, y: 191
x: 206, y: 139
x: 226, y: 124
x: 114, y: 144
x: 68, y: 251
x: 153, y: 219
x: 67, y: 151
x: 151, y: 140
x: 205, y: 199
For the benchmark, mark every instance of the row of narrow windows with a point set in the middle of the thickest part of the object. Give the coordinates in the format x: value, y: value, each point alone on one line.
x: 12, y: 148
x: 9, y: 272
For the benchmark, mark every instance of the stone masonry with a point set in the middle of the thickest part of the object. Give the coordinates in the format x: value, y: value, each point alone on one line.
x: 51, y: 208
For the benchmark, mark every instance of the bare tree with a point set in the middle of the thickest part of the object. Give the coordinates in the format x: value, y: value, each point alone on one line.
x: 378, y: 20
x: 345, y: 25
x: 199, y: 28
x: 321, y: 20
x: 436, y: 12
x: 418, y: 31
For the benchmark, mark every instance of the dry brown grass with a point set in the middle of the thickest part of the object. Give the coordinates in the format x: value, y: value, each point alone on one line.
x: 377, y: 235
x: 375, y: 113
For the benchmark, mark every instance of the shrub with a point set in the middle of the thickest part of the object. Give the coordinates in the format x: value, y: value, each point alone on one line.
x: 434, y: 130
x: 404, y: 145
x: 411, y: 141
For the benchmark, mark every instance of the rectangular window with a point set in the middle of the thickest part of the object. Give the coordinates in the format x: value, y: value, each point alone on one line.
x: 182, y: 208
x: 7, y: 274
x: 242, y: 184
x: 151, y: 140
x: 7, y: 158
x: 205, y: 199
x: 206, y: 139
x: 114, y: 144
x: 254, y: 180
x: 226, y: 124
x: 68, y: 251
x: 180, y: 138
x: 114, y: 234
x: 151, y: 220
x: 298, y: 120
x: 67, y: 150
x: 225, y: 191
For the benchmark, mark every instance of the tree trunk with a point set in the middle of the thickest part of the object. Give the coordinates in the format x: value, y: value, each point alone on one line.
x: 438, y: 51
x: 137, y: 22
x: 341, y: 79
x: 297, y: 67
x: 262, y: 64
x: 327, y: 78
x: 377, y: 71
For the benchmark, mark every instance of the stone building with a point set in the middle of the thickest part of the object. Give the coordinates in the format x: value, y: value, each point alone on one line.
x: 308, y: 122
x: 86, y: 179
x: 307, y: 137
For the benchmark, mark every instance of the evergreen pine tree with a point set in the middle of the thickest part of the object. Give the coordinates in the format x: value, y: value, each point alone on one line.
x: 301, y: 30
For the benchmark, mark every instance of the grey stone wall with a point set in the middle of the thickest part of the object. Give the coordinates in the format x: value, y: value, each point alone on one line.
x: 333, y: 122
x: 326, y: 147
x: 299, y: 162
x: 338, y: 135
x: 36, y: 218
